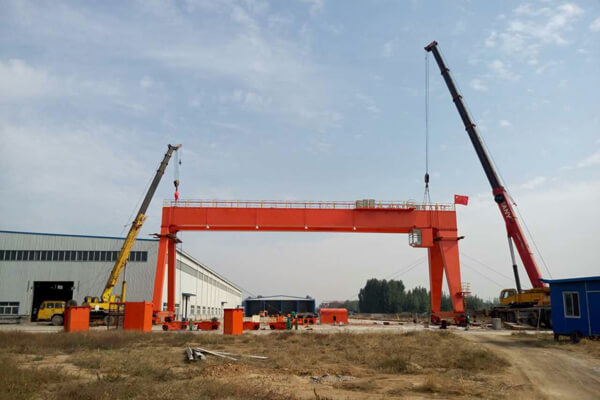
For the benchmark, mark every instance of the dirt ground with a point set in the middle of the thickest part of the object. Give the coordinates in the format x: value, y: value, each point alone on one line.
x: 355, y: 362
x: 555, y: 371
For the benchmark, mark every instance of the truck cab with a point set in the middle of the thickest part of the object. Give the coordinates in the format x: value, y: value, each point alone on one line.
x: 527, y: 298
x: 51, y: 310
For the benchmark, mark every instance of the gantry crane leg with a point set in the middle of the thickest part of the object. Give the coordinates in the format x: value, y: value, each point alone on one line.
x: 443, y: 257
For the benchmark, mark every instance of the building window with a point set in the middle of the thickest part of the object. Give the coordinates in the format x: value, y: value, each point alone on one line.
x: 192, y: 310
x: 69, y: 255
x: 571, y: 301
x: 9, y: 307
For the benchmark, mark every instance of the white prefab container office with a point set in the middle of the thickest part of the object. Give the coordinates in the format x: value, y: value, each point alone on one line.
x: 47, y: 266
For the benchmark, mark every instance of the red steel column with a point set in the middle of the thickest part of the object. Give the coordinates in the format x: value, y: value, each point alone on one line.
x: 449, y: 250
x: 436, y: 275
x: 159, y: 277
x: 171, y: 277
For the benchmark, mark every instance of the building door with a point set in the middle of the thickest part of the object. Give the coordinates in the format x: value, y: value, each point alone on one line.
x: 49, y: 290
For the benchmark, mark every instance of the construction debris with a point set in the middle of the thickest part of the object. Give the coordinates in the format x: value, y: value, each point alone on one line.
x: 331, y: 378
x: 198, y: 353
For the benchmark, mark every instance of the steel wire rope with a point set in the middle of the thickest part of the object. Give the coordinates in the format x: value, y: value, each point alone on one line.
x: 502, y: 180
x: 482, y: 274
x: 487, y: 266
x: 410, y: 264
x: 426, y: 195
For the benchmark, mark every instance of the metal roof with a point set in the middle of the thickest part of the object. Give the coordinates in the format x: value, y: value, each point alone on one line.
x: 73, y: 235
x: 279, y: 297
x: 581, y: 279
x: 194, y: 259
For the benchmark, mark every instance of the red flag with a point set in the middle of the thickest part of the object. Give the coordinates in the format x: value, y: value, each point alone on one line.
x: 458, y: 199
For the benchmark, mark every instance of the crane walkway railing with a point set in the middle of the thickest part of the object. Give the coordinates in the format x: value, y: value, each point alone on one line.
x: 343, y: 205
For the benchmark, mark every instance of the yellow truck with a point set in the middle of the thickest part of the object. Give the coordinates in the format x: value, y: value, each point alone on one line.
x: 51, y: 310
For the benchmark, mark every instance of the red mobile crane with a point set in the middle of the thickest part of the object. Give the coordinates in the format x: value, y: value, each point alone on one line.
x: 517, y: 305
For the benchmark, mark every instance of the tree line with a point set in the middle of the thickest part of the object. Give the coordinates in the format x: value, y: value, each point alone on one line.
x: 391, y: 296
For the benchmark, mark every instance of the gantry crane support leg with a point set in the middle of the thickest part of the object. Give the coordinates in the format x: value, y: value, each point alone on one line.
x: 171, y: 272
x: 159, y: 277
x: 449, y: 251
x: 436, y: 274
x: 443, y: 257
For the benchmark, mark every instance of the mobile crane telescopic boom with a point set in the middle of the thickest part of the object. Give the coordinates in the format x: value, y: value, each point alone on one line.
x: 135, y: 229
x: 513, y: 228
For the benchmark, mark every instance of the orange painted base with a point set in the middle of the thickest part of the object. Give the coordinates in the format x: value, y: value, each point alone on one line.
x: 233, y: 321
x: 77, y: 319
x: 138, y: 316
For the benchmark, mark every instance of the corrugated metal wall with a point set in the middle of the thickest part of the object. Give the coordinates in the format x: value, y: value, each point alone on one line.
x: 89, y: 277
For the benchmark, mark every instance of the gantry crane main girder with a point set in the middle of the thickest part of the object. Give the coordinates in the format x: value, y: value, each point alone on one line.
x: 431, y: 226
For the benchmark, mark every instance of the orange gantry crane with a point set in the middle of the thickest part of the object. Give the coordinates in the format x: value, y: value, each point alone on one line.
x: 431, y: 226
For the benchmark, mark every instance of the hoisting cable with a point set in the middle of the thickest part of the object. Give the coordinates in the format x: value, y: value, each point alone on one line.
x: 176, y: 174
x: 426, y: 196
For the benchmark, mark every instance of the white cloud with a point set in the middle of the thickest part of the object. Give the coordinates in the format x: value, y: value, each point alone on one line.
x: 595, y: 25
x: 503, y: 70
x: 335, y: 29
x: 478, y: 84
x: 589, y: 161
x: 146, y: 82
x: 387, y: 49
x: 592, y: 160
x: 315, y: 6
x: 20, y: 80
x: 250, y: 99
x: 369, y: 103
x: 541, y: 69
x: 533, y: 183
x: 491, y: 40
x: 504, y: 123
x: 534, y: 26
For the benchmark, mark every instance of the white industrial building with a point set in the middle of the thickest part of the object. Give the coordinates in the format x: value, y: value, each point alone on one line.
x: 42, y: 266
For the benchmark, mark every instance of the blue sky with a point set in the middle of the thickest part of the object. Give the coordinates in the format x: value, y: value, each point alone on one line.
x: 311, y: 100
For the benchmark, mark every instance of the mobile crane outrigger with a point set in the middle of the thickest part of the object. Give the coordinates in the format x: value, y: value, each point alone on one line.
x: 516, y: 305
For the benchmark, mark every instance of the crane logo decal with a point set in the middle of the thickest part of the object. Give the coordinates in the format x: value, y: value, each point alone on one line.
x: 506, y: 210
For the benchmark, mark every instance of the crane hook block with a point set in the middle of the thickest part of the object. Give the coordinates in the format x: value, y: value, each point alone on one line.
x: 176, y: 183
x: 426, y: 178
